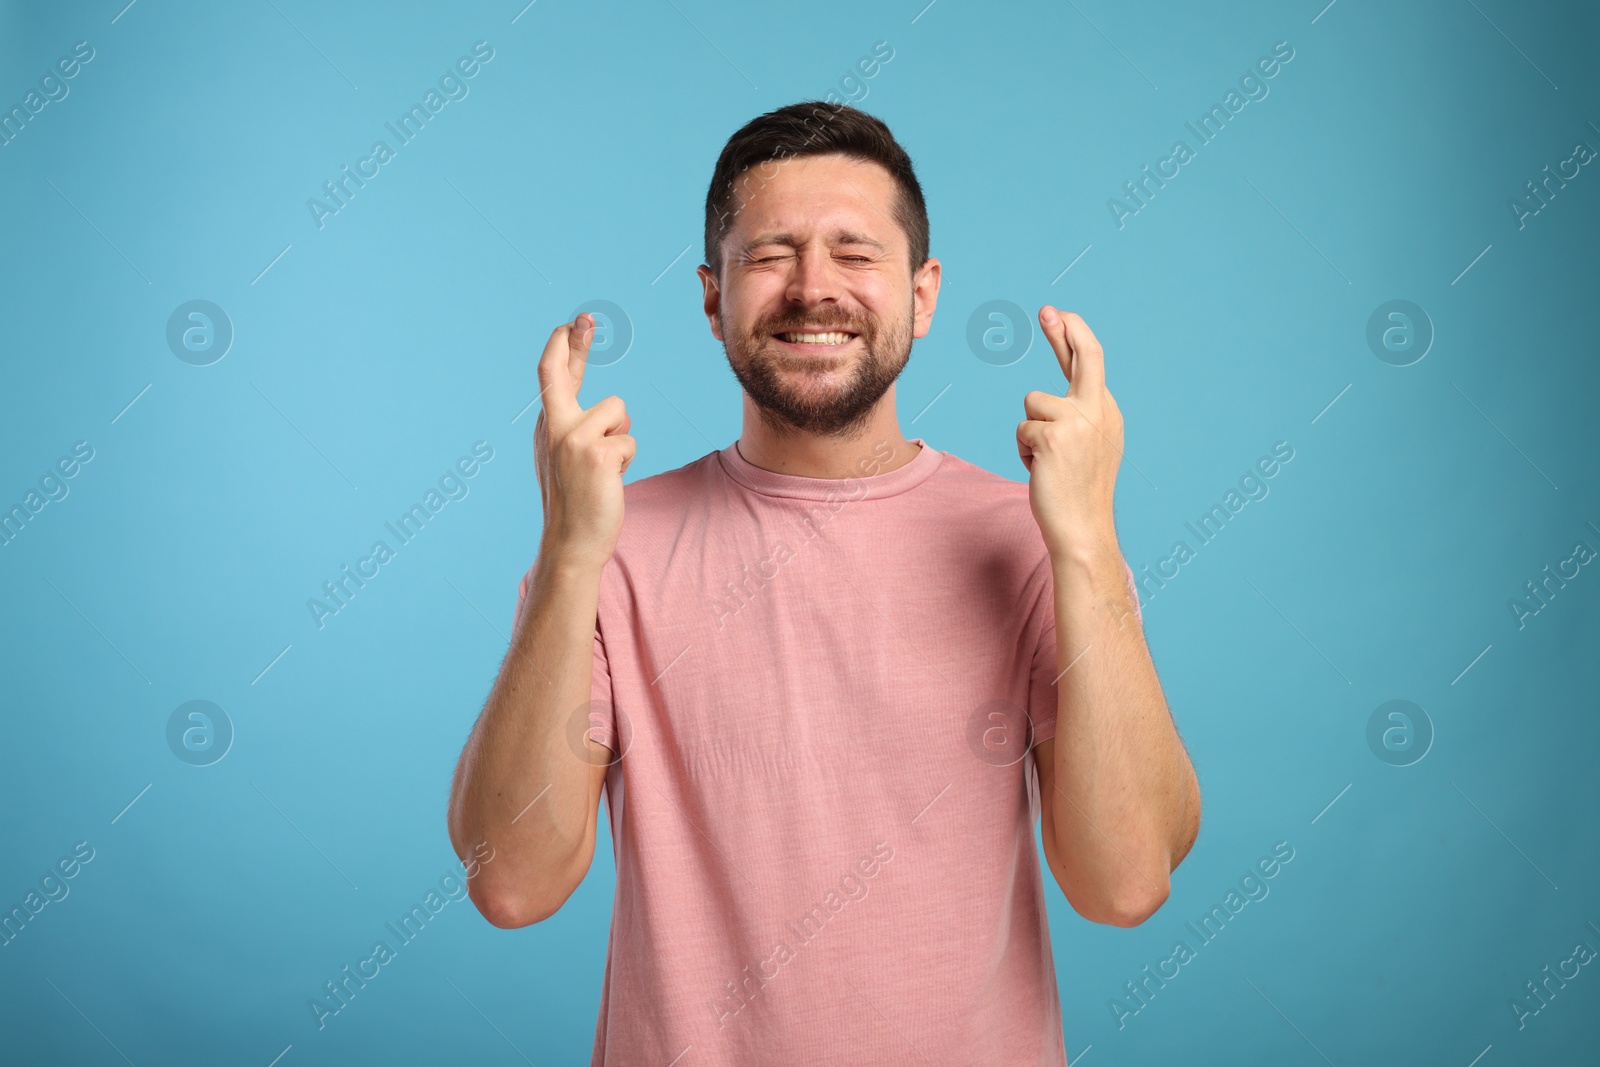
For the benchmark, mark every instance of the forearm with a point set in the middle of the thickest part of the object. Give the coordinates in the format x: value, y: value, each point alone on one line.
x: 518, y: 784
x: 1126, y: 802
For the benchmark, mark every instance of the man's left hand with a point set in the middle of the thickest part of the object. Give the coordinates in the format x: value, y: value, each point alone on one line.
x: 1072, y: 444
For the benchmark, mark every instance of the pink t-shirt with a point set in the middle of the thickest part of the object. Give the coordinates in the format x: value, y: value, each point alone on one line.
x: 823, y: 812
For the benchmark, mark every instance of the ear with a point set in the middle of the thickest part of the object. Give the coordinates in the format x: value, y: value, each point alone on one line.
x: 712, y: 299
x: 924, y: 296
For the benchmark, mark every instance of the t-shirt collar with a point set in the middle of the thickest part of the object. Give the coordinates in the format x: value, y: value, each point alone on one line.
x: 865, y: 486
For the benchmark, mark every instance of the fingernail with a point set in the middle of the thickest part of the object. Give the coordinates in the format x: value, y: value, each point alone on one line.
x: 1050, y: 316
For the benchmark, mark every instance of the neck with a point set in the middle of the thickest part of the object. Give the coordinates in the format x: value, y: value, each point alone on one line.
x: 784, y: 450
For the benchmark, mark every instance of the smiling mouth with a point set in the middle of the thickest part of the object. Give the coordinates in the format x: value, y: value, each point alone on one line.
x: 817, y: 340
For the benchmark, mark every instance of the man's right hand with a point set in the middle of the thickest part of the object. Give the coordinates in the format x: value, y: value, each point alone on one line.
x: 579, y: 455
x: 519, y: 751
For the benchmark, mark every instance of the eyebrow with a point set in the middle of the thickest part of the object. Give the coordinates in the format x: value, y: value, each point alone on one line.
x: 784, y: 237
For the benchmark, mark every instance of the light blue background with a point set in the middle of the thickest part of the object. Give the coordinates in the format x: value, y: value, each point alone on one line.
x: 376, y: 350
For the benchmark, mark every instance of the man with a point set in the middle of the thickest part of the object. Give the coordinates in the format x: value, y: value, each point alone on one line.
x: 816, y: 672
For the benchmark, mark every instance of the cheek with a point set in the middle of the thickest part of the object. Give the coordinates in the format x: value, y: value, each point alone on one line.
x: 890, y: 305
x: 751, y: 299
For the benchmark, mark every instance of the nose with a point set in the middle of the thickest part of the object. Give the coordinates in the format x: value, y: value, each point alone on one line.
x: 814, y: 278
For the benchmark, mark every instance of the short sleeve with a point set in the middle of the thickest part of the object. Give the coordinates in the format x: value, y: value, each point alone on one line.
x: 602, y: 720
x: 1042, y: 674
x: 602, y: 716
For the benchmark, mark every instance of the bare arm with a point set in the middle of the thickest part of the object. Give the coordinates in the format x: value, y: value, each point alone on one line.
x: 1121, y: 804
x: 519, y: 785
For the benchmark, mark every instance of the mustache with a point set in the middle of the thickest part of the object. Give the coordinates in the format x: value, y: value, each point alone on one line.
x: 824, y: 320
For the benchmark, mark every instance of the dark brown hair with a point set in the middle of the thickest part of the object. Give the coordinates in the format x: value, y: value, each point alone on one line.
x: 810, y: 128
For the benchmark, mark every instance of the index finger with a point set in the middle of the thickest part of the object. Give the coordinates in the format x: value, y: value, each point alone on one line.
x: 561, y: 367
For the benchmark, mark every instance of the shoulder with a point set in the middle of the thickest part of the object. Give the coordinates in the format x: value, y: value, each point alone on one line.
x: 965, y: 491
x: 671, y: 489
x: 649, y: 504
x: 657, y: 507
x: 964, y: 475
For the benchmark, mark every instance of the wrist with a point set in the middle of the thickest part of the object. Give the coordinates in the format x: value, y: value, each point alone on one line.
x: 1086, y: 549
x: 562, y: 559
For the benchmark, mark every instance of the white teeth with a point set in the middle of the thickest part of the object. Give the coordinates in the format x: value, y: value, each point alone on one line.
x: 816, y: 338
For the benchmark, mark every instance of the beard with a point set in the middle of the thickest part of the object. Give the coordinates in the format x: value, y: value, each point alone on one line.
x: 767, y: 373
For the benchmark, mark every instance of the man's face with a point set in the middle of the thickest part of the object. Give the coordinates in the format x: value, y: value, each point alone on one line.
x: 817, y: 304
